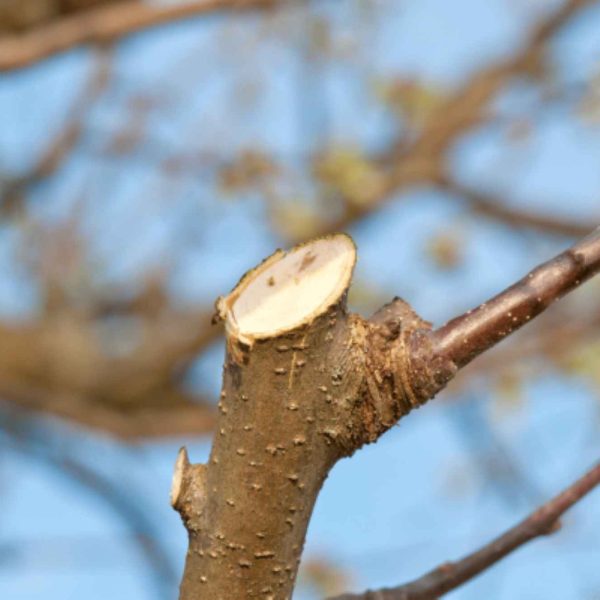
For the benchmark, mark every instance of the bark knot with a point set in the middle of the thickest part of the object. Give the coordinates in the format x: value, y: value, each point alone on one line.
x: 188, y: 491
x: 402, y: 370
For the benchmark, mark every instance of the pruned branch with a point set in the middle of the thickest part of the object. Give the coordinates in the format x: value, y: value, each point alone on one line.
x: 467, y: 336
x: 104, y: 24
x: 305, y: 384
x: 451, y: 575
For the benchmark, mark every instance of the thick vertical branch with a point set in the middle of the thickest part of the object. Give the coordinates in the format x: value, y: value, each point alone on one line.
x: 305, y: 383
x: 275, y: 440
x: 467, y: 336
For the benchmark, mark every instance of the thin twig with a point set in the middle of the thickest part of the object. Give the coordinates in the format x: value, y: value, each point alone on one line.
x: 467, y: 336
x: 451, y: 575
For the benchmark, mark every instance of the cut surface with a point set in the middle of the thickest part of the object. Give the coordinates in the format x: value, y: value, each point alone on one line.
x: 292, y: 288
x: 177, y: 481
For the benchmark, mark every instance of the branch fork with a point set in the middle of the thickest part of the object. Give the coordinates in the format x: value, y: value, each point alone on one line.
x: 306, y: 383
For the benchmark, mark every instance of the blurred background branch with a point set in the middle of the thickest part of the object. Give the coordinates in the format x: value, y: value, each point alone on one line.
x: 152, y: 151
x: 33, y: 31
x: 543, y: 521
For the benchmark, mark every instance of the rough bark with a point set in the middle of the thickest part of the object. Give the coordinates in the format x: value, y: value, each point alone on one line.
x: 306, y: 383
x: 292, y: 404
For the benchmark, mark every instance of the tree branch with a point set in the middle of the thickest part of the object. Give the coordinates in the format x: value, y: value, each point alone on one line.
x: 467, y: 336
x: 449, y: 576
x: 422, y: 161
x: 104, y: 24
x: 492, y: 208
x: 66, y: 140
x: 191, y: 417
x: 554, y: 336
x: 305, y: 383
x: 59, y: 365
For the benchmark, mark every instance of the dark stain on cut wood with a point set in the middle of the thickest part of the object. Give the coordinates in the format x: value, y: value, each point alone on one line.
x: 309, y: 259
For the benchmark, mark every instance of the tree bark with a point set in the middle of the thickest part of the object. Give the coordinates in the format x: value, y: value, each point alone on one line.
x: 293, y: 402
x: 306, y: 383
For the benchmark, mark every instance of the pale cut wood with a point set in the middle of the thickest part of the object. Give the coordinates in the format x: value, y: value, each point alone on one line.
x: 289, y: 289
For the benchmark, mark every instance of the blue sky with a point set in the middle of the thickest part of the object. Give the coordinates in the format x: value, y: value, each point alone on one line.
x: 416, y: 498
